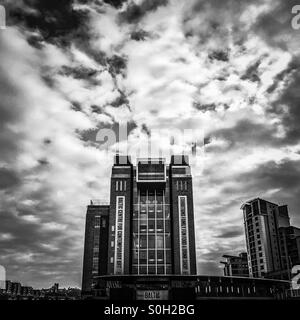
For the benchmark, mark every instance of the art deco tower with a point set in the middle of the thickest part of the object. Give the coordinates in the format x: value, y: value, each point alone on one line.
x: 151, y: 217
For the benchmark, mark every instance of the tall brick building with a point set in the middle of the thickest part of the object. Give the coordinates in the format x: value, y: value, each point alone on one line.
x: 151, y: 219
x: 95, y: 244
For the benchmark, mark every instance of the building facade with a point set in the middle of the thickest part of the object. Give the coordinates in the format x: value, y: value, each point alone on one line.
x: 290, y: 249
x: 151, y: 217
x: 192, y: 287
x: 95, y: 245
x: 273, y: 245
x: 262, y: 220
x: 236, y: 265
x: 148, y: 228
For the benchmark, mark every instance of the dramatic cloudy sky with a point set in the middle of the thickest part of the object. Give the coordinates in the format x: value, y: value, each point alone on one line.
x: 229, y: 69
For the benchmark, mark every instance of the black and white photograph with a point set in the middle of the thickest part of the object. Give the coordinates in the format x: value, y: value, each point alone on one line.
x: 149, y: 153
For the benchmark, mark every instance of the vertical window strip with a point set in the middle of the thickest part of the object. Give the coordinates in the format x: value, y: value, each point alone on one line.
x: 164, y: 217
x: 97, y: 222
x: 96, y: 244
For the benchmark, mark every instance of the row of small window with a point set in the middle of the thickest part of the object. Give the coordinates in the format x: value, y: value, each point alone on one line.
x: 98, y: 222
x: 252, y: 237
x: 151, y: 241
x: 121, y: 185
x: 150, y: 204
x: 252, y: 241
x: 255, y: 269
x: 227, y: 289
x: 254, y: 260
x: 95, y: 265
x: 143, y: 201
x: 150, y: 195
x: 144, y: 230
x: 151, y: 226
x: 150, y: 207
x: 181, y: 185
x: 150, y: 261
x: 96, y: 253
x: 255, y: 217
x: 152, y: 256
x: 250, y: 226
x: 158, y: 214
x: 251, y: 233
x: 252, y: 249
x: 96, y: 240
x: 167, y: 269
x: 239, y: 266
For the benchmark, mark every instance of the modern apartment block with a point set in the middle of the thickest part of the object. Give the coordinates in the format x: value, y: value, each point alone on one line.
x: 290, y: 246
x: 151, y: 217
x: 95, y: 245
x: 262, y: 220
x: 236, y: 265
x: 273, y: 245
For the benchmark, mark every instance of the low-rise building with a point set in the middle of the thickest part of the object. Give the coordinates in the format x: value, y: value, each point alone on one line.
x: 236, y: 265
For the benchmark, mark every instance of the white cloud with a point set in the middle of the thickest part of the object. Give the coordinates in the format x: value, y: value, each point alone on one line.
x: 165, y: 75
x: 6, y: 236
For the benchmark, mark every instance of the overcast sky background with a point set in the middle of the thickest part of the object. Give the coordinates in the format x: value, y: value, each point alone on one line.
x: 68, y: 68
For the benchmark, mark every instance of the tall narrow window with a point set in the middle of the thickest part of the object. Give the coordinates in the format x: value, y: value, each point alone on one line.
x: 95, y: 265
x: 117, y: 185
x: 96, y: 243
x: 96, y: 240
x: 97, y: 222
